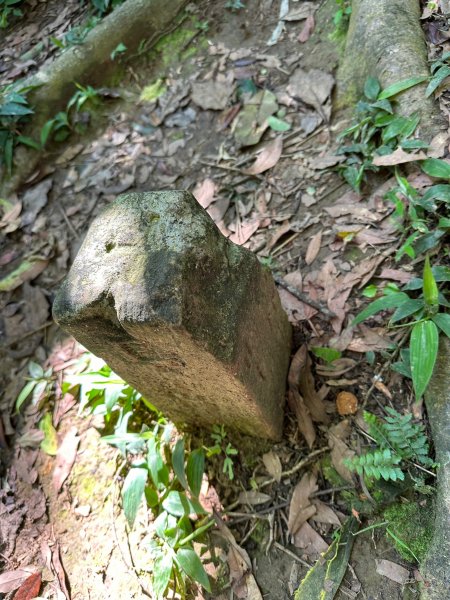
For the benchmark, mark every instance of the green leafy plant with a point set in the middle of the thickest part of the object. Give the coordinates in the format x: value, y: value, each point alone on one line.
x: 377, y: 130
x: 15, y: 112
x: 163, y: 474
x: 400, y: 442
x: 39, y: 386
x: 440, y: 70
x: 76, y: 35
x: 221, y: 446
x: 421, y: 314
x: 9, y: 8
x: 341, y: 19
x: 105, y: 6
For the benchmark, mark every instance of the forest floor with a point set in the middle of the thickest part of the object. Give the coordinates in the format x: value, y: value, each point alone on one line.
x: 276, y: 192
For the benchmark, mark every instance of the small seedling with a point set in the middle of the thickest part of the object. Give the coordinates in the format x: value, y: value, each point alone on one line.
x: 224, y: 448
x: 39, y: 386
x: 9, y: 8
x: 421, y: 314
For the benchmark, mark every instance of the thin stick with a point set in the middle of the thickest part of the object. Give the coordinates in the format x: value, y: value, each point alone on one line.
x: 292, y: 555
x: 298, y: 466
x: 303, y: 297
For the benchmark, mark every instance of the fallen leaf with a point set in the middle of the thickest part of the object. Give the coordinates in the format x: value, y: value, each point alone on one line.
x: 307, y: 30
x: 296, y: 309
x: 59, y: 570
x: 438, y: 145
x: 29, y: 269
x: 29, y: 588
x: 253, y: 498
x: 304, y: 420
x: 11, y: 211
x: 396, y: 275
x: 307, y: 388
x: 216, y: 210
x: 324, y: 514
x: 370, y: 339
x: 336, y: 368
x: 309, y: 541
x: 323, y: 162
x: 244, y: 232
x: 301, y: 12
x: 346, y: 403
x: 272, y: 463
x: 311, y: 87
x: 65, y: 458
x: 251, y: 121
x: 284, y: 228
x: 34, y: 201
x: 211, y: 95
x: 11, y: 580
x: 392, y: 571
x: 313, y: 248
x: 383, y: 389
x: 300, y: 507
x: 268, y: 157
x: 50, y: 442
x: 399, y: 156
x: 204, y: 192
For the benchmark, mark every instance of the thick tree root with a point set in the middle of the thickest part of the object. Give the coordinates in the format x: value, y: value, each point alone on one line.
x: 435, y: 568
x: 385, y: 41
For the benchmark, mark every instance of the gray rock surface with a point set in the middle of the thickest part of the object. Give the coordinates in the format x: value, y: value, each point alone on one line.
x: 188, y: 318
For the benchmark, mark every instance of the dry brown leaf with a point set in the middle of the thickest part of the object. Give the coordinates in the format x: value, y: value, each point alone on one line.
x: 11, y: 580
x: 216, y: 210
x: 268, y: 157
x: 383, y: 389
x: 301, y: 12
x: 300, y: 507
x: 29, y: 588
x: 341, y: 382
x: 211, y: 95
x: 312, y: 87
x: 325, y: 514
x: 369, y: 339
x: 438, y: 145
x: 307, y: 388
x: 396, y: 275
x: 278, y: 233
x: 65, y: 458
x: 58, y: 569
x: 313, y: 248
x: 244, y: 232
x: 392, y: 571
x: 204, y: 192
x: 307, y: 30
x: 340, y: 450
x: 372, y: 238
x: 304, y: 421
x: 336, y: 368
x: 296, y: 309
x: 309, y: 541
x: 253, y: 497
x: 399, y: 156
x: 272, y: 463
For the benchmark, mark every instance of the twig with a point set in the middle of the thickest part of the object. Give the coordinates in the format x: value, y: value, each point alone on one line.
x: 303, y: 297
x: 68, y: 223
x: 292, y: 555
x: 331, y: 491
x: 298, y: 466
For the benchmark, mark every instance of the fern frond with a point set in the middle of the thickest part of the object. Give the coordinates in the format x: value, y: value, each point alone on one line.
x: 377, y: 463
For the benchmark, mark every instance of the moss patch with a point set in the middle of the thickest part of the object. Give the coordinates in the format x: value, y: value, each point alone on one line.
x: 412, y: 524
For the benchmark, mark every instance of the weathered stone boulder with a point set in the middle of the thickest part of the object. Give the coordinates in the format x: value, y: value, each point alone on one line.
x: 188, y: 318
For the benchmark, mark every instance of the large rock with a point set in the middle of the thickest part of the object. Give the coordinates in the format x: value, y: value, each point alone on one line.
x: 188, y: 318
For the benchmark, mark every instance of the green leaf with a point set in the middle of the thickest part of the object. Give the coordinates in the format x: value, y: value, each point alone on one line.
x: 164, y: 523
x: 50, y: 442
x: 194, y: 469
x: 35, y: 370
x: 384, y: 303
x: 158, y: 470
x: 11, y: 109
x: 27, y: 141
x: 437, y: 79
x: 277, y: 124
x: 162, y: 570
x: 326, y: 354
x: 132, y: 492
x: 119, y: 49
x: 440, y: 191
x: 435, y: 167
x: 430, y: 288
x: 178, y: 462
x: 24, y: 394
x: 423, y: 347
x: 372, y: 88
x: 401, y: 86
x: 442, y: 320
x: 46, y: 130
x: 406, y: 309
x: 178, y: 504
x: 192, y: 566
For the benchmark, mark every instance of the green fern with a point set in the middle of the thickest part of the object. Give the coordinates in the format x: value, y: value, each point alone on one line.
x: 399, y: 439
x: 377, y: 464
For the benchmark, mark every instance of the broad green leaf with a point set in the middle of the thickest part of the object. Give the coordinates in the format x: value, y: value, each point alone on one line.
x: 192, y: 566
x: 326, y: 354
x: 441, y: 191
x: 372, y: 88
x: 50, y: 442
x: 399, y: 127
x: 194, y: 470
x: 384, y: 303
x: 27, y: 141
x: 437, y: 79
x: 178, y: 462
x: 277, y: 124
x: 442, y: 320
x: 151, y: 496
x: 178, y: 504
x: 401, y: 86
x: 435, y: 167
x: 133, y: 492
x: 24, y: 394
x: 46, y: 130
x: 406, y: 309
x: 414, y: 145
x: 35, y: 370
x: 162, y: 570
x: 11, y: 109
x: 444, y: 223
x: 427, y: 242
x: 158, y: 470
x: 370, y: 291
x: 163, y: 523
x: 423, y: 348
x: 430, y: 288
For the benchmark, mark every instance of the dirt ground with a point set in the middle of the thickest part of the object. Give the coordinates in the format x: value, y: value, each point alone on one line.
x: 293, y: 214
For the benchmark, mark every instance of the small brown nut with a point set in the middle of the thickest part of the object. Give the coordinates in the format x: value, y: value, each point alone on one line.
x: 347, y: 403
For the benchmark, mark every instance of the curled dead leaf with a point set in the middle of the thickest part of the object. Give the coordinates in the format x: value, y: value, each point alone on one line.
x: 268, y: 157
